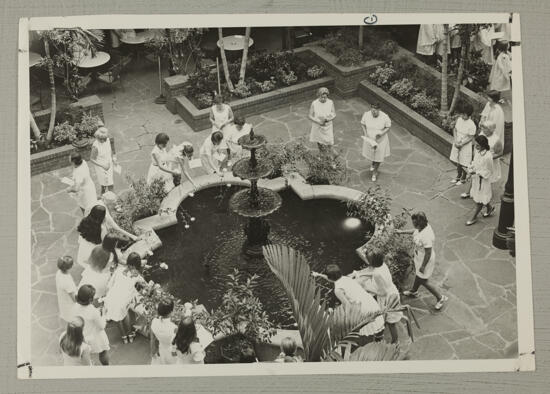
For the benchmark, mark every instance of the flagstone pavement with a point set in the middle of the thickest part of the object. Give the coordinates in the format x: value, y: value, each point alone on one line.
x: 478, y: 322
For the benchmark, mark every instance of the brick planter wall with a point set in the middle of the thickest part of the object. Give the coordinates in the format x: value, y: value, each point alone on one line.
x: 87, y: 104
x: 172, y: 88
x: 346, y: 78
x: 419, y: 126
x: 57, y: 158
x: 198, y: 119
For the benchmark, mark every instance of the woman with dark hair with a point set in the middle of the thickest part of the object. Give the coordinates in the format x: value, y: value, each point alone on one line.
x: 321, y: 114
x: 74, y: 350
x: 481, y: 170
x: 98, y: 271
x: 499, y: 78
x: 221, y: 115
x: 83, y: 185
x: 493, y: 112
x: 348, y: 291
x: 376, y: 144
x: 377, y: 278
x: 464, y: 132
x: 93, y: 229
x: 186, y: 343
x: 159, y: 168
x: 210, y: 154
x: 180, y: 156
x: 239, y: 129
x: 424, y: 257
x: 121, y: 291
x: 162, y: 334
x: 94, y: 323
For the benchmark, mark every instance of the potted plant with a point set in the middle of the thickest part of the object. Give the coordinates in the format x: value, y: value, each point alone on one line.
x: 240, y: 319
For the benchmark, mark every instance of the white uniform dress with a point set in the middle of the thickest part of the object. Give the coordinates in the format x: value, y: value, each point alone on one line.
x: 464, y: 129
x: 121, y: 291
x: 374, y: 126
x: 98, y: 279
x: 422, y: 240
x: 386, y: 291
x: 194, y: 355
x: 155, y: 172
x: 209, y: 150
x: 86, y: 193
x: 164, y: 330
x: 495, y: 114
x: 64, y: 285
x: 322, y: 134
x: 356, y: 294
x: 104, y: 157
x: 94, y: 327
x: 221, y: 117
x: 497, y: 171
x: 481, y: 191
x: 426, y: 41
x: 233, y: 140
x: 499, y: 78
x: 483, y: 41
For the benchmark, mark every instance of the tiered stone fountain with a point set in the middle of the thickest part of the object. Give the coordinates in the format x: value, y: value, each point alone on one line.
x: 255, y: 203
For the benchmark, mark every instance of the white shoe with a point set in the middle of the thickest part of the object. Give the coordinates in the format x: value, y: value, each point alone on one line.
x: 409, y: 293
x: 373, y: 178
x: 440, y: 303
x: 371, y: 168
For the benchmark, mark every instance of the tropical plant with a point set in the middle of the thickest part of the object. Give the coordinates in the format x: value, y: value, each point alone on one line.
x: 315, y: 71
x: 350, y: 57
x: 224, y: 62
x: 320, y: 330
x: 444, y: 71
x: 402, y: 89
x: 242, y: 90
x: 241, y: 314
x: 244, y: 59
x: 64, y: 133
x: 88, y: 124
x: 373, y: 206
x: 140, y: 201
x: 383, y: 75
x: 374, y: 351
x: 424, y: 105
x: 35, y: 130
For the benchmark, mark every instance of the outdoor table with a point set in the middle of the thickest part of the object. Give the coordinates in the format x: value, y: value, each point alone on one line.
x: 139, y: 38
x: 87, y: 61
x: 34, y: 59
x: 234, y: 43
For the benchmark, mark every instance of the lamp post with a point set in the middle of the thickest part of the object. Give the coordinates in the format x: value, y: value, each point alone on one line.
x: 506, y: 215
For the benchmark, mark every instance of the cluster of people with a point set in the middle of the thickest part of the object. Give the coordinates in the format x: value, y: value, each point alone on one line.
x: 477, y: 154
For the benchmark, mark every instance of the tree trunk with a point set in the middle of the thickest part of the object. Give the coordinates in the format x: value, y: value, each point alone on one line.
x: 224, y: 62
x: 289, y: 38
x: 49, y: 134
x: 444, y: 71
x: 35, y: 129
x: 360, y: 40
x: 464, y: 53
x: 245, y: 55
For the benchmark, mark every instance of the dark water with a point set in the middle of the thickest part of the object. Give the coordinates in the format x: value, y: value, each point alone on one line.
x: 200, y: 257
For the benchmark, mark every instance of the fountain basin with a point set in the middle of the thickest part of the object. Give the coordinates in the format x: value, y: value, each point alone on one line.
x: 245, y: 170
x: 268, y: 202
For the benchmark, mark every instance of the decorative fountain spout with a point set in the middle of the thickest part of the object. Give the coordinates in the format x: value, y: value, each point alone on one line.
x: 254, y: 203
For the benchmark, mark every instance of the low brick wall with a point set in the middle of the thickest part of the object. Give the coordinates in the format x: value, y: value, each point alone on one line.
x: 172, y: 88
x: 87, y: 104
x: 56, y: 158
x: 418, y: 125
x: 346, y: 78
x: 198, y: 119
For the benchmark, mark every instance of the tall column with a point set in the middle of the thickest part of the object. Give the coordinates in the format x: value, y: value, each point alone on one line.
x: 506, y: 215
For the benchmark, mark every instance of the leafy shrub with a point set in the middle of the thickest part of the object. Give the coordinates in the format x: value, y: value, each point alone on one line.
x: 315, y: 71
x: 268, y: 86
x: 350, y: 57
x: 333, y: 44
x: 89, y: 124
x: 383, y: 75
x: 242, y: 91
x: 202, y: 81
x: 64, y: 133
x: 140, y: 201
x: 477, y: 72
x: 205, y: 100
x: 424, y: 105
x: 402, y: 89
x: 287, y: 78
x: 324, y: 168
x: 373, y: 207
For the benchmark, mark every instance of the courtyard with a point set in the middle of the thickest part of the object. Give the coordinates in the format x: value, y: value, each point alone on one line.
x: 478, y: 322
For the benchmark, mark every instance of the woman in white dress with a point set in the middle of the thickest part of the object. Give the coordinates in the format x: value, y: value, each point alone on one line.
x: 211, y: 157
x: 349, y: 291
x: 163, y: 331
x: 74, y: 350
x: 386, y: 292
x: 321, y: 114
x: 376, y: 143
x: 424, y: 258
x: 427, y: 39
x: 495, y: 145
x: 186, y: 343
x: 221, y: 116
x: 103, y: 159
x: 461, y: 152
x: 239, y: 129
x: 499, y: 78
x: 159, y: 168
x: 94, y: 323
x: 121, y: 291
x: 494, y: 113
x: 93, y: 228
x: 481, y: 170
x: 179, y: 157
x: 83, y: 186
x: 98, y: 272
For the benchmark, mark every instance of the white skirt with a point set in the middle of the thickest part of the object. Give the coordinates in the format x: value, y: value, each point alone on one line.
x: 99, y: 342
x: 462, y: 156
x: 104, y: 178
x: 155, y: 172
x: 481, y: 191
x: 322, y: 134
x: 84, y: 250
x: 381, y: 151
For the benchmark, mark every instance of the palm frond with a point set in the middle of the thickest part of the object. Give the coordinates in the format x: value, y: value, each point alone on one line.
x: 347, y: 319
x: 379, y: 351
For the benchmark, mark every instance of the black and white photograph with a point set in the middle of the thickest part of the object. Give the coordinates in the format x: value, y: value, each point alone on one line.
x: 334, y: 191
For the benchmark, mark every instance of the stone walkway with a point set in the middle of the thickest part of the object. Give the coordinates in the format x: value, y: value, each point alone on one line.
x: 479, y: 320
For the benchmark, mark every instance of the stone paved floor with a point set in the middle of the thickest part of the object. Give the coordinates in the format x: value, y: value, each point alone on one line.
x: 479, y: 321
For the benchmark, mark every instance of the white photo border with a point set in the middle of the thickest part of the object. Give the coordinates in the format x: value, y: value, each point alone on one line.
x: 526, y: 348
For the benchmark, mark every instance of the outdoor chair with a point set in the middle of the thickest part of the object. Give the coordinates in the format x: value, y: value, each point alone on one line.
x: 111, y: 75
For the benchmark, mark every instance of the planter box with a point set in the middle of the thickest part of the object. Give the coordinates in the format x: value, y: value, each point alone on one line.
x: 346, y: 78
x: 172, y: 88
x: 198, y: 119
x: 87, y: 104
x: 56, y: 158
x: 418, y: 125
